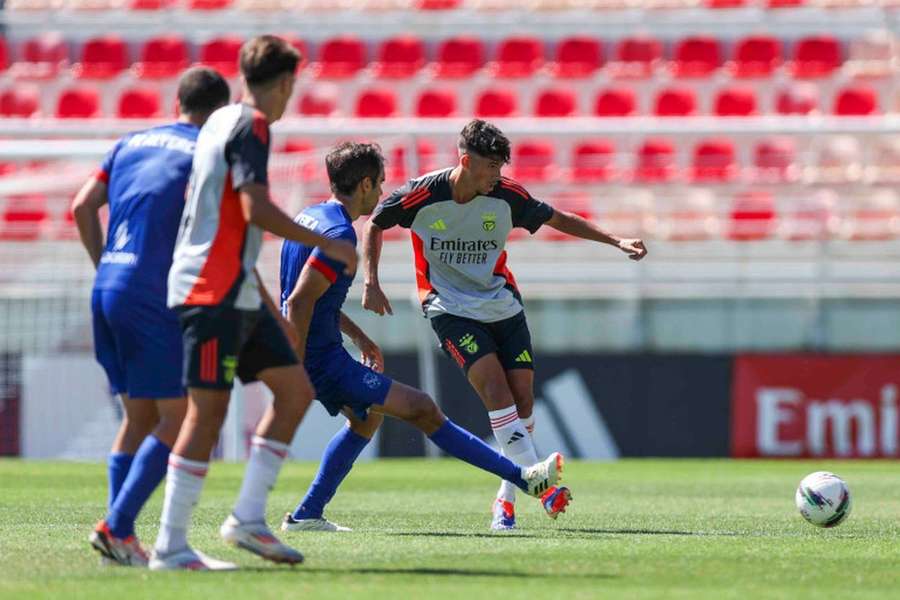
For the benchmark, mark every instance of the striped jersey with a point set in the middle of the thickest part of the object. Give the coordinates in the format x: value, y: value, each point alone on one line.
x: 459, y: 249
x: 217, y: 248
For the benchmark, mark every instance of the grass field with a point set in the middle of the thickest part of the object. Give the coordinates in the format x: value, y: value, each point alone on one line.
x: 637, y: 529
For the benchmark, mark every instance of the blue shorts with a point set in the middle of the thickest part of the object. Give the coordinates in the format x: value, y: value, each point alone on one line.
x: 137, y: 341
x: 340, y: 380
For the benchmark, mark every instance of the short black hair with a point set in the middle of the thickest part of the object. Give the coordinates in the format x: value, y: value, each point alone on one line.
x: 351, y: 162
x: 265, y: 58
x: 202, y: 90
x: 481, y: 138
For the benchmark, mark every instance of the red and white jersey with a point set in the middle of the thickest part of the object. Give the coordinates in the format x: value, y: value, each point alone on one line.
x: 216, y: 250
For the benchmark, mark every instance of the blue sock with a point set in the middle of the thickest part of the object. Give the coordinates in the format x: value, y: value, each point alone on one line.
x: 150, y: 464
x: 458, y: 442
x: 118, y: 465
x: 337, y: 460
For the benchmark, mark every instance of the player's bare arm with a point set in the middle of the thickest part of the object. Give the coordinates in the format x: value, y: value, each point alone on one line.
x: 302, y: 302
x: 258, y: 209
x: 373, y: 298
x: 273, y: 308
x: 86, y: 210
x: 370, y: 352
x: 574, y: 225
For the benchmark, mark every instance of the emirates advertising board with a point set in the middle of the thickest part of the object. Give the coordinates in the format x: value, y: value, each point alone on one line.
x: 812, y: 406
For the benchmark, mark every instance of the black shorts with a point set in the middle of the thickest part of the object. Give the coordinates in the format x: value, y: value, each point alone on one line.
x: 466, y: 340
x: 222, y: 341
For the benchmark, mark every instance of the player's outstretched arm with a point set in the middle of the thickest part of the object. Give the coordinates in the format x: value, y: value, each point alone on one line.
x: 370, y: 353
x: 373, y: 298
x: 259, y: 210
x: 300, y: 304
x: 574, y: 225
x: 86, y: 210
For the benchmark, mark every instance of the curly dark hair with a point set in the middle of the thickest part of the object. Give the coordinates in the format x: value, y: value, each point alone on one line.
x: 484, y: 139
x: 351, y: 162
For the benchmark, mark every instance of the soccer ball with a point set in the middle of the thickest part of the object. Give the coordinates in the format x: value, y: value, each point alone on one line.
x: 823, y: 499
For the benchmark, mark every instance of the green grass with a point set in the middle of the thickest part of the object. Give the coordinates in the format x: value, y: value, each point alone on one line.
x: 636, y: 529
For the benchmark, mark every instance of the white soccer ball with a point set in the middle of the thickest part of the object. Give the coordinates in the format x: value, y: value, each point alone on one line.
x: 823, y: 499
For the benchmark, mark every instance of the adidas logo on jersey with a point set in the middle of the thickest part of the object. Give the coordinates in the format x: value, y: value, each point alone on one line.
x: 525, y: 357
x: 438, y: 225
x: 515, y: 437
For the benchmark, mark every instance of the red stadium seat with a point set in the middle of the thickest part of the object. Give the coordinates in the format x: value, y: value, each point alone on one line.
x: 341, y: 58
x: 696, y: 56
x: 436, y: 103
x: 102, y: 58
x: 636, y: 57
x: 675, y: 102
x: 221, y: 54
x: 78, y: 103
x: 615, y: 102
x: 752, y: 216
x: 797, y: 100
x: 577, y: 57
x: 714, y: 161
x: 42, y: 57
x: 438, y: 4
x: 162, y: 57
x: 555, y: 102
x: 459, y: 57
x: 816, y: 57
x: 577, y: 203
x: 655, y: 161
x: 316, y: 102
x: 495, y: 103
x: 785, y: 3
x: 150, y: 5
x: 24, y: 218
x: 856, y: 101
x: 400, y: 57
x: 594, y: 161
x: 725, y: 4
x: 376, y: 103
x: 139, y: 103
x: 208, y: 4
x: 756, y: 56
x: 19, y: 102
x: 518, y: 57
x: 4, y: 54
x: 308, y: 168
x: 774, y: 160
x: 735, y: 102
x: 532, y: 161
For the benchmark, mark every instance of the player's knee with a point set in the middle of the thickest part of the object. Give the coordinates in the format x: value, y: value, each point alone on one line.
x: 424, y: 410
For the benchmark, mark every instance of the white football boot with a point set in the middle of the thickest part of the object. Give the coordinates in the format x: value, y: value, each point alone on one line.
x: 188, y: 559
x: 322, y: 524
x: 542, y: 476
x: 258, y: 539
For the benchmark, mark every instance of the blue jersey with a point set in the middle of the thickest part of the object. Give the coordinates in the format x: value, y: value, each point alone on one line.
x: 332, y: 221
x: 146, y: 173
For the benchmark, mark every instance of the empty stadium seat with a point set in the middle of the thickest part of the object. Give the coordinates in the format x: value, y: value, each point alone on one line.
x: 340, y: 58
x: 78, y: 103
x: 221, y: 53
x: 714, y: 161
x: 685, y: 214
x: 376, y: 103
x: 318, y: 102
x: 577, y: 203
x: 636, y: 57
x: 873, y: 55
x: 139, y: 103
x: 42, y: 57
x: 20, y: 102
x: 24, y: 217
x: 437, y: 4
x: 4, y: 54
x: 675, y: 102
x: 149, y: 5
x: 436, y: 103
x: 518, y: 57
x: 808, y: 215
x: 162, y: 57
x: 628, y: 212
x: 496, y: 103
x: 615, y: 102
x: 856, y: 101
x: 797, y: 99
x: 459, y: 57
x: 735, y: 102
x: 752, y: 216
x: 774, y: 160
x: 556, y: 102
x: 874, y: 216
x: 532, y: 161
x: 306, y: 161
x: 102, y: 58
x: 400, y: 57
x: 696, y: 56
x: 884, y: 161
x: 594, y: 161
x: 655, y: 161
x: 208, y: 4
x: 756, y: 56
x: 577, y: 57
x: 815, y: 57
x: 838, y: 160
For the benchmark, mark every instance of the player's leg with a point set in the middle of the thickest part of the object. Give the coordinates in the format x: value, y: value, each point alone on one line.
x: 337, y: 461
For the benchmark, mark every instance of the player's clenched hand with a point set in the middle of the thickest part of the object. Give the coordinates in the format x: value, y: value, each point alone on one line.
x: 374, y: 299
x: 370, y: 354
x: 634, y: 248
x: 342, y: 251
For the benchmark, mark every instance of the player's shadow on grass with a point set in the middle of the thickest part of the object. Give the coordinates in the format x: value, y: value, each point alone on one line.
x: 644, y: 532
x: 456, y: 534
x: 425, y: 571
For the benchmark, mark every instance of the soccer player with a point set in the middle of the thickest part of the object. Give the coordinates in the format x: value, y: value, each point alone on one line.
x: 313, y: 290
x: 229, y: 323
x: 137, y: 339
x: 459, y: 219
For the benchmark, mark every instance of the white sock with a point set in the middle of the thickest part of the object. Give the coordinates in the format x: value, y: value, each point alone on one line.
x: 184, y: 482
x: 266, y: 458
x: 514, y: 442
